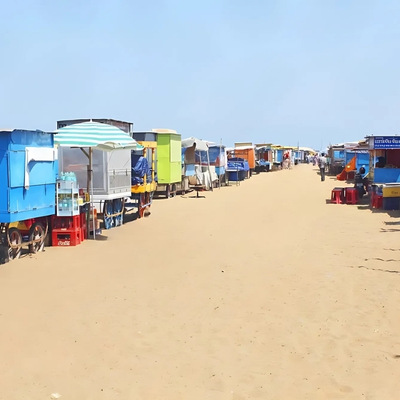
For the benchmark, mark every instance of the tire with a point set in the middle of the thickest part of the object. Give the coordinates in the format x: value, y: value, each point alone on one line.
x: 168, y: 191
x: 173, y: 191
x: 14, y: 237
x: 36, y: 233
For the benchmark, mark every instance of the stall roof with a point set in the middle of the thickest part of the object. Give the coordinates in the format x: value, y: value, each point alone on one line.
x: 95, y: 134
x: 370, y: 136
x: 245, y: 147
x: 239, y: 144
x: 309, y: 149
x: 213, y: 144
x: 345, y: 145
x: 123, y: 125
x: 201, y: 145
x: 383, y: 142
x: 19, y: 129
x: 263, y: 146
x: 166, y: 131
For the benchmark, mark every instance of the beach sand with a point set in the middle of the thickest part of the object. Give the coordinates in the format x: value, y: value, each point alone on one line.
x: 258, y: 291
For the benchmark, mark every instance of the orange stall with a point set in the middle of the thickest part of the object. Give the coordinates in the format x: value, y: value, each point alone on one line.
x: 246, y: 151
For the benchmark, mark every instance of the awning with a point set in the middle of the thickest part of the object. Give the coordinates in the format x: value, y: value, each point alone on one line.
x: 94, y: 134
x: 201, y: 145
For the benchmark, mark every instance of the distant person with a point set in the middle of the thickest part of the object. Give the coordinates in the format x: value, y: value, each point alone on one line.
x: 361, y: 182
x: 322, y: 164
x: 365, y: 179
x: 381, y: 162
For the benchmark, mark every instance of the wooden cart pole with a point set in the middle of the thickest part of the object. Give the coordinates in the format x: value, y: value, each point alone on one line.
x: 209, y: 170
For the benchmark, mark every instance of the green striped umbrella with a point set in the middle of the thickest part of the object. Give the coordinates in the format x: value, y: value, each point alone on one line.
x: 94, y: 134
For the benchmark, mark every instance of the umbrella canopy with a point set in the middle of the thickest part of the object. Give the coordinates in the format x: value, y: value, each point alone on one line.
x: 94, y: 134
x: 201, y: 145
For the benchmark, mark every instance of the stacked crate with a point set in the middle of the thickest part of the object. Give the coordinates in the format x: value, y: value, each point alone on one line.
x: 66, y: 231
x: 67, y: 225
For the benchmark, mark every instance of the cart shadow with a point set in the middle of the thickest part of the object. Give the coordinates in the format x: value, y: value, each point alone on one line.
x: 4, y: 256
x: 389, y: 230
x: 130, y: 216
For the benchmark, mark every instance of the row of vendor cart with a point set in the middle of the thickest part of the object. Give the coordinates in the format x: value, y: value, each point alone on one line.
x: 374, y: 159
x: 62, y: 182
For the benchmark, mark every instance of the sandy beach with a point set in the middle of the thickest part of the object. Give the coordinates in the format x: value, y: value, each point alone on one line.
x: 261, y: 290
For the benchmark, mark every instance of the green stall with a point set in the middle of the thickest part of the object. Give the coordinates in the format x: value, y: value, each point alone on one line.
x: 169, y: 163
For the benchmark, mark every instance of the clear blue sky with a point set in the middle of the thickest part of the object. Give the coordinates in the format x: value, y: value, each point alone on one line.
x: 307, y: 72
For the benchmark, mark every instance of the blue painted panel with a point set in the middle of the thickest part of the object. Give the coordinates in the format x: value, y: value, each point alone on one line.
x: 16, y: 202
x: 20, y: 139
x: 16, y: 170
x: 386, y: 175
x: 190, y: 170
x: 338, y: 154
x: 239, y: 175
x: 386, y: 142
x: 348, y: 156
x: 34, y: 198
x: 279, y: 155
x: 220, y: 170
x: 40, y: 172
x: 24, y: 215
x: 362, y: 161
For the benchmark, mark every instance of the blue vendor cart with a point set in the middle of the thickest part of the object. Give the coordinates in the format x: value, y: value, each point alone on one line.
x: 28, y: 171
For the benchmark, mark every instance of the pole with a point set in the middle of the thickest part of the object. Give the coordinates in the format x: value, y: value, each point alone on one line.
x: 219, y: 167
x: 90, y: 190
x: 209, y: 171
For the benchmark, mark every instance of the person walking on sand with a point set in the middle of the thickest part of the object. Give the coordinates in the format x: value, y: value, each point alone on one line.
x: 322, y: 165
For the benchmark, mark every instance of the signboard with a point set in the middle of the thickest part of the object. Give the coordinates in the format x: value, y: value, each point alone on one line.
x: 386, y: 142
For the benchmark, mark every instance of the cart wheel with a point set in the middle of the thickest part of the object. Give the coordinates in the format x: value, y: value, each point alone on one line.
x: 173, y: 190
x: 168, y: 192
x: 36, y: 234
x: 15, y: 238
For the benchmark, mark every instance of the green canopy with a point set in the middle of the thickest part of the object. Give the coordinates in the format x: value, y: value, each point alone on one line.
x: 94, y: 134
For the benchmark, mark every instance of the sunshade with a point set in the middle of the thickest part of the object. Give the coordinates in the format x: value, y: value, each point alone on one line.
x: 91, y: 135
x: 201, y: 145
x: 94, y: 134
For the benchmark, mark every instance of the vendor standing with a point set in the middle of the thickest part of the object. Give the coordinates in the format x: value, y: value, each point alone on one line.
x: 322, y: 164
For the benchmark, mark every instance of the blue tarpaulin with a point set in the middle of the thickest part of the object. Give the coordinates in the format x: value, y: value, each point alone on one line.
x: 140, y: 168
x: 238, y: 164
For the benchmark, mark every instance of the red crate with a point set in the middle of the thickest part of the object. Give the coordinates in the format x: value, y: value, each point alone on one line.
x: 66, y: 237
x: 83, y: 226
x: 72, y: 222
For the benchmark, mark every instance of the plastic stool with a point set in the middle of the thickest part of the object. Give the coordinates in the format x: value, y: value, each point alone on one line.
x: 372, y: 198
x: 377, y: 201
x: 351, y: 196
x: 337, y: 196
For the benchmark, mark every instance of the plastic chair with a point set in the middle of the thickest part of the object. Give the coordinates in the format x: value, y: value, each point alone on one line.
x: 351, y: 196
x: 337, y: 196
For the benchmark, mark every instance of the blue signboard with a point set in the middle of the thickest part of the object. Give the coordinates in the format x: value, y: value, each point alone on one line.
x: 387, y: 142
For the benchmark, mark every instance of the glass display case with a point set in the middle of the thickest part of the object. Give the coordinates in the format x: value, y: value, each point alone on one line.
x: 67, y: 198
